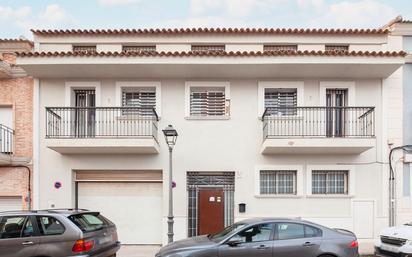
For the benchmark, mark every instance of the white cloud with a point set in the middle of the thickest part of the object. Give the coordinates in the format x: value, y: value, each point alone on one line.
x: 364, y: 13
x: 23, y: 18
x: 237, y: 8
x: 55, y: 14
x: 317, y: 5
x: 117, y: 2
x: 7, y: 13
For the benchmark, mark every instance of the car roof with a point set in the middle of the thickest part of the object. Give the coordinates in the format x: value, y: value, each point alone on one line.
x: 64, y: 212
x: 260, y: 220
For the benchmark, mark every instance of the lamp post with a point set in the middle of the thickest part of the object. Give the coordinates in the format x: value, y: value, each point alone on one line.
x: 171, y: 137
x: 392, y: 186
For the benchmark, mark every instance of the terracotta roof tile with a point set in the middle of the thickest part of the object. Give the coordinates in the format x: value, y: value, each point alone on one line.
x: 214, y: 54
x: 15, y: 40
x: 206, y: 30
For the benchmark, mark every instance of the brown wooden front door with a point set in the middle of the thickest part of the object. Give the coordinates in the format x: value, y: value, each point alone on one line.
x: 211, y: 210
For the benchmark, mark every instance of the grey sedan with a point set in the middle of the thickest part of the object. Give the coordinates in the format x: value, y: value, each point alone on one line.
x: 268, y: 238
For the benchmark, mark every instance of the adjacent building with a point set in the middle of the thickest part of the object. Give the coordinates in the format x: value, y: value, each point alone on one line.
x: 16, y: 105
x: 271, y: 122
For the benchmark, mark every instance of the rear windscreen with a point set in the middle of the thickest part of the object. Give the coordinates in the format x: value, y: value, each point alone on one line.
x: 89, y: 222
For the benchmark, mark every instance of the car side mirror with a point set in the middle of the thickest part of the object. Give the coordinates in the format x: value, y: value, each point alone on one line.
x: 233, y: 242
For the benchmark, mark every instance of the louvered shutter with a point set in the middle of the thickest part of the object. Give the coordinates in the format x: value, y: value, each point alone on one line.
x: 207, y: 102
x: 143, y: 99
x: 281, y: 101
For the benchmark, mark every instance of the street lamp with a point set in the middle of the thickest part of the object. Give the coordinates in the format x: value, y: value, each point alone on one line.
x: 171, y: 137
x: 392, y: 189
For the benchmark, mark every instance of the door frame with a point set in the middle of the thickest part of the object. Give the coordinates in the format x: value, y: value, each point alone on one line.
x: 197, y: 180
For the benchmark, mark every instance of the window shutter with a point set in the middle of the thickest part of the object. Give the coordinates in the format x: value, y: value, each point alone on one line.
x: 207, y: 102
x: 143, y: 99
x: 139, y: 48
x: 280, y: 101
x: 207, y: 48
x: 280, y: 48
x: 330, y: 182
x: 278, y: 182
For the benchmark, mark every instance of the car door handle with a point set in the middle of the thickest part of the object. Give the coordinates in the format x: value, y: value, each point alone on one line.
x: 28, y: 243
x: 308, y: 244
x: 262, y: 247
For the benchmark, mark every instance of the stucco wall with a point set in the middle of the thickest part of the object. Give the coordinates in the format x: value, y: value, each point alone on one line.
x: 225, y: 145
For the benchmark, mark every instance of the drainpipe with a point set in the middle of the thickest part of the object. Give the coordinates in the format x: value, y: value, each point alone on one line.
x: 28, y: 184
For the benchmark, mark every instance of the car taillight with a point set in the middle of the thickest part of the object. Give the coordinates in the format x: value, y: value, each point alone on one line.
x: 82, y: 246
x: 354, y: 244
x: 115, y: 237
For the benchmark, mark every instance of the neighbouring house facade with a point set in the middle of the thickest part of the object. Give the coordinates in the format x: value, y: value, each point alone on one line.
x: 271, y: 122
x: 16, y: 107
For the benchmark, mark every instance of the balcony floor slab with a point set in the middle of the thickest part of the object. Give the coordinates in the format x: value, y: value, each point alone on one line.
x: 104, y: 145
x: 317, y: 145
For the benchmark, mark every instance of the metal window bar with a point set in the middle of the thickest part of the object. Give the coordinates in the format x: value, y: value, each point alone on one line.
x: 208, y: 48
x: 337, y: 48
x: 207, y: 103
x: 109, y: 122
x: 280, y: 48
x: 280, y: 100
x: 87, y: 49
x: 330, y: 182
x: 358, y: 122
x: 145, y: 100
x: 6, y: 139
x: 278, y: 182
x: 139, y: 48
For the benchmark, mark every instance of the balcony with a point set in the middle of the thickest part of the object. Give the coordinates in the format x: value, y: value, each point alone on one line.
x: 6, y: 145
x: 318, y: 130
x: 102, y: 130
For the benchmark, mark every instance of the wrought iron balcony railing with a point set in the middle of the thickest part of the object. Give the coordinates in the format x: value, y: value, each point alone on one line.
x: 6, y: 139
x: 319, y: 122
x: 101, y: 122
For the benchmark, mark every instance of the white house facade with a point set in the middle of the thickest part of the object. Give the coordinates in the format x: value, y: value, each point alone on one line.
x: 271, y: 123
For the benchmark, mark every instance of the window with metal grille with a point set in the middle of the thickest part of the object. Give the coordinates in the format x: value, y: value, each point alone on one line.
x: 206, y: 101
x: 206, y: 48
x: 278, y: 182
x: 142, y: 98
x: 281, y: 101
x: 139, y: 48
x: 88, y: 49
x: 280, y: 47
x: 337, y: 48
x: 330, y: 181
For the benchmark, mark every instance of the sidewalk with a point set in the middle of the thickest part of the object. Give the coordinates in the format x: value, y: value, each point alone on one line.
x: 138, y: 251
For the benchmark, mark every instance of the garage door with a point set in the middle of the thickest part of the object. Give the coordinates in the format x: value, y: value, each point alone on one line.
x: 135, y: 208
x: 10, y: 203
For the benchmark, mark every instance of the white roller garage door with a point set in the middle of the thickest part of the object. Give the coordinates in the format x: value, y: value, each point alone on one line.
x: 135, y: 208
x: 10, y: 203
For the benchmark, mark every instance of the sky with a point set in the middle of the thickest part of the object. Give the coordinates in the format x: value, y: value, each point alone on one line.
x: 17, y: 17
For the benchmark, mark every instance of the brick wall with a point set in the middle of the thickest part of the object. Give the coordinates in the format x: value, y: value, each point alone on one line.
x: 18, y: 93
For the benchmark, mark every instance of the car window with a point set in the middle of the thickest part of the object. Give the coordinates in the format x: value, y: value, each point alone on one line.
x: 220, y: 235
x: 89, y: 222
x: 49, y: 226
x: 11, y: 227
x: 28, y: 229
x: 256, y: 233
x: 312, y: 232
x: 290, y: 231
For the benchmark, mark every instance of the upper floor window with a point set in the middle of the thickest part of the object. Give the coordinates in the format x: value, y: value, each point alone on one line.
x: 206, y: 48
x: 337, y: 48
x: 141, y: 97
x: 278, y: 182
x: 330, y: 182
x: 84, y: 48
x: 139, y: 48
x: 207, y: 101
x: 280, y: 47
x: 281, y: 101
